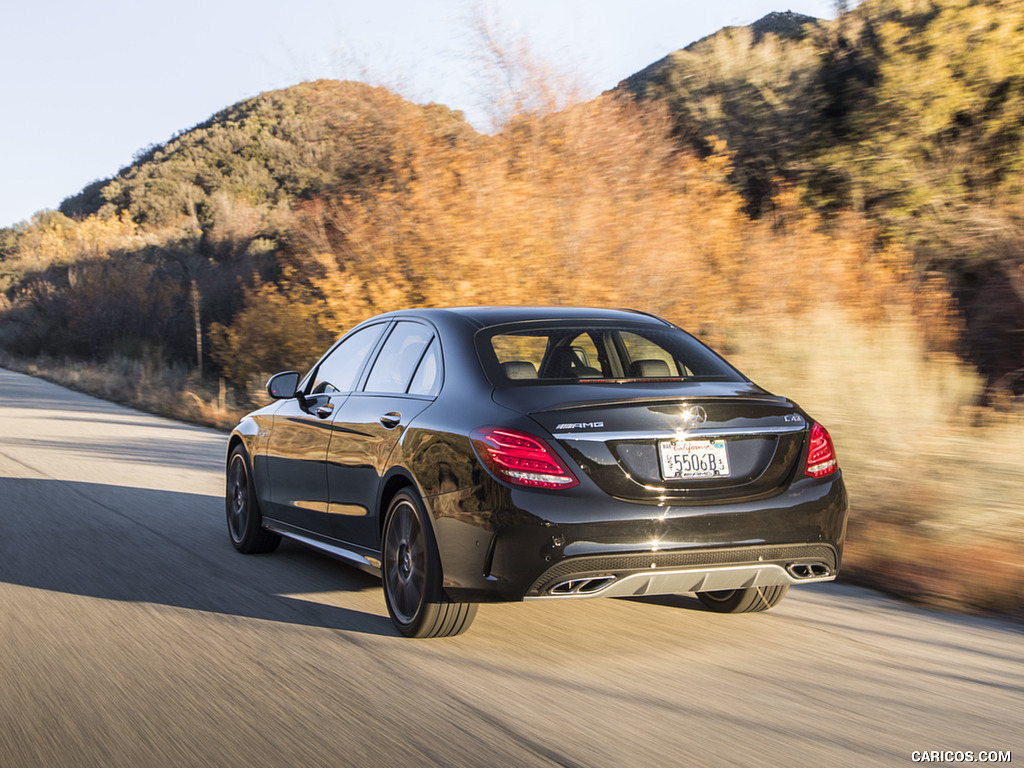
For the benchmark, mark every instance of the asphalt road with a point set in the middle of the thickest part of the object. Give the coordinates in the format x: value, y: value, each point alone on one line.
x: 132, y: 634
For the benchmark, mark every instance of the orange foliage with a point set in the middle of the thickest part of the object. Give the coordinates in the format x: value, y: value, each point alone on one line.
x: 59, y: 241
x: 594, y: 205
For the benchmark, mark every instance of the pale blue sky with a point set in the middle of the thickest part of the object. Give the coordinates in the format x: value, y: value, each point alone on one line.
x: 88, y: 83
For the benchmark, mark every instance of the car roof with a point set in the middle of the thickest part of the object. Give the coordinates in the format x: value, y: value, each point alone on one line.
x: 484, y: 316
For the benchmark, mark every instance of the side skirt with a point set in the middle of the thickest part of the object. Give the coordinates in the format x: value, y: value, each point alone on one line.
x: 363, y: 559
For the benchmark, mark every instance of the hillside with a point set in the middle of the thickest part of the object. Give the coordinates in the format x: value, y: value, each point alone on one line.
x: 784, y: 25
x: 910, y: 113
x: 131, y: 265
x: 836, y: 110
x: 275, y: 148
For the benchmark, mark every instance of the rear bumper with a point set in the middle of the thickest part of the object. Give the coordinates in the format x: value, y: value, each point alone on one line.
x: 697, y: 570
x: 522, y: 544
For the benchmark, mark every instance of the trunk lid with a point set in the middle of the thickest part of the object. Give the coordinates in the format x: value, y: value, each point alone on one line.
x: 672, y: 441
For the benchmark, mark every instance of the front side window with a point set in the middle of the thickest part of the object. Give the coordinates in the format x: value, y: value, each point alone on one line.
x: 337, y: 372
x: 603, y: 352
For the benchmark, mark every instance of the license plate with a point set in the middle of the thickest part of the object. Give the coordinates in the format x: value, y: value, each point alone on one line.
x: 682, y: 459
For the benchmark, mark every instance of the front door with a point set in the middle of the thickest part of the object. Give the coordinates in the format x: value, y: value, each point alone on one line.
x: 297, y: 446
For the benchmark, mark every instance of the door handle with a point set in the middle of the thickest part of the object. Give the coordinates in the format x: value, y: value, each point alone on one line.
x: 325, y: 410
x: 391, y: 420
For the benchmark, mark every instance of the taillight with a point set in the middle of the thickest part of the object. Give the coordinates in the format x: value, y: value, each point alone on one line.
x: 522, y: 459
x: 821, y: 454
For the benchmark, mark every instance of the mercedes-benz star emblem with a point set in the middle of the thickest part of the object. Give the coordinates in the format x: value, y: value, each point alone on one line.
x: 694, y: 416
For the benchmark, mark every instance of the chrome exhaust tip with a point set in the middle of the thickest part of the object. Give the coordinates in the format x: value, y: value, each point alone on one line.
x: 587, y: 586
x: 808, y: 570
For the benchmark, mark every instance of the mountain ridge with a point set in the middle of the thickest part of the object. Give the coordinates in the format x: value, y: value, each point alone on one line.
x: 784, y: 24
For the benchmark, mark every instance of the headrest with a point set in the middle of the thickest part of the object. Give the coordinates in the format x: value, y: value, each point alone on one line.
x: 519, y: 369
x: 649, y: 369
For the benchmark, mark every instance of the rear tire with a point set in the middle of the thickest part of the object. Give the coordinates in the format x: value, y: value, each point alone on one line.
x: 749, y: 600
x: 412, y: 575
x: 245, y: 522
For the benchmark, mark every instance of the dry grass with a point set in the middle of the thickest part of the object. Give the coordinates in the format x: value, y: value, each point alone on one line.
x: 149, y: 385
x: 936, y: 484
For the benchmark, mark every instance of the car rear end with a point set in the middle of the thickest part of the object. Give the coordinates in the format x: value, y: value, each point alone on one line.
x: 624, y: 479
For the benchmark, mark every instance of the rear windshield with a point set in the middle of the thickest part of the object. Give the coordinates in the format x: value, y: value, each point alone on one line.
x: 548, y: 354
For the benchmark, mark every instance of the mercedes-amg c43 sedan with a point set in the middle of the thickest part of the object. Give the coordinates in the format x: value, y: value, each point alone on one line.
x: 531, y: 453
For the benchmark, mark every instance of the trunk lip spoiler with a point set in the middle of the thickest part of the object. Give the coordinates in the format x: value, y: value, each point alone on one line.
x: 679, y: 434
x: 655, y: 402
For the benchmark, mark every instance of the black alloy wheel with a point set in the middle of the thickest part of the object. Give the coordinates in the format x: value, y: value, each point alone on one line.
x: 245, y: 523
x: 749, y: 600
x: 412, y: 575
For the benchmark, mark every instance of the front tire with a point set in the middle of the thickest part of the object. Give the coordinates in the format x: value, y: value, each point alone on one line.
x: 245, y: 522
x: 749, y: 600
x: 412, y: 575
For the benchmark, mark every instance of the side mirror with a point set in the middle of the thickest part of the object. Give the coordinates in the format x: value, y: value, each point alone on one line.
x: 283, y: 386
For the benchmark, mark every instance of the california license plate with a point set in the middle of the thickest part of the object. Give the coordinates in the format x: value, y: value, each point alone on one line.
x: 682, y: 459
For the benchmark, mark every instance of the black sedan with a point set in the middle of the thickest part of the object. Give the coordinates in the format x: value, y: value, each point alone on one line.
x: 522, y: 453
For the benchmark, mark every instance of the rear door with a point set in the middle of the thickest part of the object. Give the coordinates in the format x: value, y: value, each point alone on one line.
x: 403, y: 380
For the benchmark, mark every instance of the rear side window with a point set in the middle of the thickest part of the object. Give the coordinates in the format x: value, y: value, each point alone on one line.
x: 398, y: 358
x: 527, y: 354
x: 427, y: 379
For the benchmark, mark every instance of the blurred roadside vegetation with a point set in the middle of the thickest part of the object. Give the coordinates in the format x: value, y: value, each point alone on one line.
x: 836, y: 205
